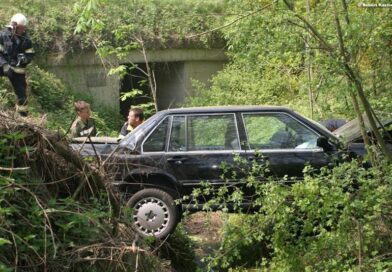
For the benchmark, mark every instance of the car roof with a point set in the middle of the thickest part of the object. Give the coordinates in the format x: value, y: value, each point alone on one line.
x: 248, y: 108
x: 209, y: 109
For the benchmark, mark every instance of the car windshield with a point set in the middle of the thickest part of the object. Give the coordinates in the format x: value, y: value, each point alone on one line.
x: 130, y: 141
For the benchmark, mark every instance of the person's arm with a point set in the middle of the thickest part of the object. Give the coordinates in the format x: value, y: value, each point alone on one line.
x: 123, y: 131
x: 2, y: 51
x: 94, y: 128
x: 84, y: 129
x: 28, y: 51
x: 75, y: 129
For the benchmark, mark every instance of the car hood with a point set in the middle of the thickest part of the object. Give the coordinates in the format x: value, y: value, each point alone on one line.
x: 106, y: 145
x: 94, y: 145
x: 97, y: 140
x: 351, y: 131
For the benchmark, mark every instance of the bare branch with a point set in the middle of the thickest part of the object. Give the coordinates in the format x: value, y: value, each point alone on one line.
x: 150, y: 74
x: 296, y: 24
x: 311, y: 29
x: 315, y: 33
x: 12, y: 169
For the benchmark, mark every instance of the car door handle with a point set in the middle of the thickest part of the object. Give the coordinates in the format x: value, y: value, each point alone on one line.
x: 177, y: 160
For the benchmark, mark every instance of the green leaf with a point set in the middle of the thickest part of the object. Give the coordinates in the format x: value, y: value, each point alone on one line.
x: 4, y: 241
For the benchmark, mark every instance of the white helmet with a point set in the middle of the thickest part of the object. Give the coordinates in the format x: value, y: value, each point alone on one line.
x: 19, y: 19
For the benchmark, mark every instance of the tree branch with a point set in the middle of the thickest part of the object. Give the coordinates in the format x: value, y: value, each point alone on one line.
x: 352, y: 75
x: 229, y: 24
x: 11, y: 169
x: 311, y: 28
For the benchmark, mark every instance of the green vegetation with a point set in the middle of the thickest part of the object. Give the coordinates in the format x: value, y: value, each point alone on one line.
x: 316, y: 57
x: 291, y: 53
x: 335, y: 220
x: 276, y: 60
x: 323, y: 59
x: 54, y: 216
x: 48, y: 220
x: 50, y: 99
x: 161, y: 23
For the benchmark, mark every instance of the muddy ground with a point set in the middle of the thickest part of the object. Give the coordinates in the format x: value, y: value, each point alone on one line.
x: 204, y: 230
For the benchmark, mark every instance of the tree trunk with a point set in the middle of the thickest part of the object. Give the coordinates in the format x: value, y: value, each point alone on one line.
x: 354, y: 78
x: 362, y: 128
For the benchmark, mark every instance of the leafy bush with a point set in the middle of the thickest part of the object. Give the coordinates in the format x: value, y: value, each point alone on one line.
x: 241, y: 245
x: 337, y: 220
x: 49, y: 91
x: 7, y: 98
x: 274, y: 61
x: 160, y: 23
x: 179, y: 249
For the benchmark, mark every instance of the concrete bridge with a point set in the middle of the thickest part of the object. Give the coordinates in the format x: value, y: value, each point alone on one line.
x: 174, y: 70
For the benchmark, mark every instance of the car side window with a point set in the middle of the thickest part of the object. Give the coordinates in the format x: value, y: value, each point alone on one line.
x: 277, y: 131
x: 157, y: 139
x: 212, y: 132
x: 204, y: 132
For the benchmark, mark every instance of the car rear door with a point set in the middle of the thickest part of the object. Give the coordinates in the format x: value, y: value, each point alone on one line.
x: 201, y: 147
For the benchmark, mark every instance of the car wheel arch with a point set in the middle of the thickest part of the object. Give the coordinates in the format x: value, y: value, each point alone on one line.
x: 163, y: 181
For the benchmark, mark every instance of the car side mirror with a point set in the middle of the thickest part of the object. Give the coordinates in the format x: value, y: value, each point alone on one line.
x: 324, y: 144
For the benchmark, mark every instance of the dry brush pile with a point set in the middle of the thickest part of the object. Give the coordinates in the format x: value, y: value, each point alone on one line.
x: 57, y: 211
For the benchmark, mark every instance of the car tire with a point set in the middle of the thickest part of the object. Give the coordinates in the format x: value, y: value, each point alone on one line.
x: 154, y: 213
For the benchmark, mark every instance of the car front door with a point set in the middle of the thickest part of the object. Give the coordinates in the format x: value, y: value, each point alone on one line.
x: 285, y: 143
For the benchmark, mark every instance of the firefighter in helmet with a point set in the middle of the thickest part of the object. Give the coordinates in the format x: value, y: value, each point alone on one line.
x: 16, y: 52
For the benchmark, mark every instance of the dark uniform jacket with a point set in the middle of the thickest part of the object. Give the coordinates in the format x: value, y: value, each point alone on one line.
x: 11, y: 45
x: 125, y: 130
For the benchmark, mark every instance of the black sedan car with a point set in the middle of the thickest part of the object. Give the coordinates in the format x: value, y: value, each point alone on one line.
x: 175, y: 150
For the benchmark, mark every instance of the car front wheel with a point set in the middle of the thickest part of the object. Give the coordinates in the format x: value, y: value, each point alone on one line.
x: 154, y: 213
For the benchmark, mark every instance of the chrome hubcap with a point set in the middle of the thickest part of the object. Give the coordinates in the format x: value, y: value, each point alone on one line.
x: 151, y: 216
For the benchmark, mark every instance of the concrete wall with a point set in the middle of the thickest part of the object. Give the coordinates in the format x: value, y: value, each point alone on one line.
x: 85, y: 72
x: 92, y: 80
x: 200, y: 70
x: 170, y: 85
